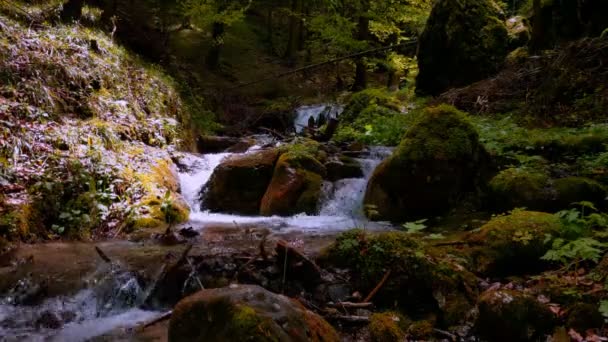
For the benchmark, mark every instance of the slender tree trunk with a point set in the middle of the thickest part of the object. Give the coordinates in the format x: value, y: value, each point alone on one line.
x: 213, y: 57
x: 538, y: 29
x: 360, y: 67
x: 292, y: 43
x: 269, y: 29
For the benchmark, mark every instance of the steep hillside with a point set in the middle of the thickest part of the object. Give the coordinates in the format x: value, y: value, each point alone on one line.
x: 86, y: 131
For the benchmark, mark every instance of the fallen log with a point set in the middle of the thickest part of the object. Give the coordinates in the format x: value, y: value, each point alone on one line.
x: 350, y: 305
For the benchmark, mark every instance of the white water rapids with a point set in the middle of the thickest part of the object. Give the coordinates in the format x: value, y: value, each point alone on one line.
x: 341, y: 205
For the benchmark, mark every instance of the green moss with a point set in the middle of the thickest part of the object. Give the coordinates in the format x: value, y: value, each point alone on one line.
x: 370, y: 100
x: 387, y: 327
x: 514, y: 243
x: 482, y: 45
x: 439, y: 159
x: 295, y: 186
x: 425, y: 274
x: 576, y: 189
x: 420, y: 330
x: 519, y: 187
x: 443, y: 133
x: 246, y: 322
x: 506, y: 315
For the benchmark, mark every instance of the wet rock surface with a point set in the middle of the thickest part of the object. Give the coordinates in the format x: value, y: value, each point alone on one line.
x: 243, y: 312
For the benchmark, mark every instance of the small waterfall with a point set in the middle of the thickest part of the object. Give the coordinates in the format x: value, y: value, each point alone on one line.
x: 110, y: 302
x: 195, y: 174
x: 345, y: 197
x: 340, y: 207
x: 304, y: 113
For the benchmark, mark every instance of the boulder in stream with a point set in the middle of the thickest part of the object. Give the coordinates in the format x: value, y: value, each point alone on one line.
x: 439, y: 159
x: 297, y: 181
x: 246, y: 313
x: 295, y: 186
x: 239, y: 183
x: 507, y: 315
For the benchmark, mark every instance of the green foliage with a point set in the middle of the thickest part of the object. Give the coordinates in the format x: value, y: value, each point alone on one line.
x: 204, y: 13
x: 575, y: 242
x: 415, y: 226
x: 579, y: 250
x: 604, y: 308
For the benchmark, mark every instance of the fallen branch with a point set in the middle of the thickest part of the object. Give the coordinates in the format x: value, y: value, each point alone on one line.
x: 273, y: 132
x: 350, y: 305
x: 451, y: 243
x: 103, y: 255
x: 352, y: 319
x: 446, y: 334
x: 378, y: 287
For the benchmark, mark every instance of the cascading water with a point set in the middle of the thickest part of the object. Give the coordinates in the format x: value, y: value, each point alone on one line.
x: 303, y: 114
x: 110, y: 302
x: 341, y: 205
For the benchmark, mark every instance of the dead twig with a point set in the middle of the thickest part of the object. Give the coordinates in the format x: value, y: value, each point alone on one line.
x: 378, y: 287
x: 103, y: 255
x: 350, y: 305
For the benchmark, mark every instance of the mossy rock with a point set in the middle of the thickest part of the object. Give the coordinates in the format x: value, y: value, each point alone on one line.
x: 577, y: 189
x: 463, y: 41
x: 520, y: 187
x: 519, y: 31
x: 153, y: 214
x: 420, y: 330
x: 387, y: 327
x: 344, y: 167
x: 506, y: 315
x: 439, y: 159
x: 238, y: 184
x: 371, y: 100
x: 245, y: 313
x: 584, y: 316
x: 421, y: 281
x: 295, y: 186
x: 513, y: 244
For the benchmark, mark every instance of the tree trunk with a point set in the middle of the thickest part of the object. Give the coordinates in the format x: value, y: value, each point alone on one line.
x: 362, y: 35
x: 72, y: 10
x: 213, y: 57
x: 360, y: 75
x: 292, y: 43
x: 538, y: 29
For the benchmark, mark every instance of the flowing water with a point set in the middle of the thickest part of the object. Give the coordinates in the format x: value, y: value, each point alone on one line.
x: 110, y: 302
x: 303, y: 114
x: 113, y: 297
x: 341, y: 206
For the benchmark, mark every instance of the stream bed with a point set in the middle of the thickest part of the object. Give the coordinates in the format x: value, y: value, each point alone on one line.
x: 85, y: 299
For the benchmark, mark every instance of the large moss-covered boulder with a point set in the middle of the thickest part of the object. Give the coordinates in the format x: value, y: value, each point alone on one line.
x: 463, y: 41
x: 520, y: 187
x: 421, y: 281
x: 570, y: 190
x: 439, y: 158
x: 514, y: 243
x: 239, y: 183
x: 506, y: 315
x: 295, y: 186
x: 246, y: 313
